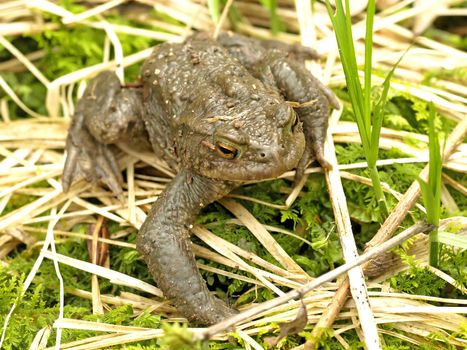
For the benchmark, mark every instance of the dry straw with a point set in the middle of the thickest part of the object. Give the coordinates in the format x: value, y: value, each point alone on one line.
x: 31, y: 152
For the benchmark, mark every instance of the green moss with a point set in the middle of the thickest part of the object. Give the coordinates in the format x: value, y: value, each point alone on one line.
x: 458, y: 74
x: 418, y: 280
x: 455, y: 40
x: 35, y: 310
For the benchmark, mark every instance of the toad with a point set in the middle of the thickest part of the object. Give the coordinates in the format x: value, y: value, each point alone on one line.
x: 220, y: 113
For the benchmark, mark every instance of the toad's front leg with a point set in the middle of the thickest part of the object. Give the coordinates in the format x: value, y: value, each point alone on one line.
x: 314, y: 101
x: 164, y: 242
x: 105, y: 115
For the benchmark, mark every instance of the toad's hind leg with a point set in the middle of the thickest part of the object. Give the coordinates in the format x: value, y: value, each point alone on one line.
x: 164, y: 242
x: 105, y: 115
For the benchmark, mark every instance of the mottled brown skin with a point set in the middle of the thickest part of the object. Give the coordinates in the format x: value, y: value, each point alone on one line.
x: 216, y: 112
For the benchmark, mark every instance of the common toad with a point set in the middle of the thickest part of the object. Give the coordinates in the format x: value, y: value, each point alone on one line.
x: 220, y: 113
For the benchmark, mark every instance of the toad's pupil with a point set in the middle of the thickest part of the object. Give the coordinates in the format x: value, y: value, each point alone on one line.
x: 227, y: 151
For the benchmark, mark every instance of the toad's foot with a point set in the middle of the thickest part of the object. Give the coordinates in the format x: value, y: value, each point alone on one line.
x: 312, y: 153
x: 88, y: 158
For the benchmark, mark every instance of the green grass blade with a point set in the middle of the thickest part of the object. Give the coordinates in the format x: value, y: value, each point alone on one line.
x: 435, y: 167
x: 431, y: 191
x: 360, y: 97
x: 370, y: 14
x: 347, y: 22
x: 343, y: 29
x: 427, y: 196
x: 214, y: 7
x: 276, y: 23
x: 378, y: 113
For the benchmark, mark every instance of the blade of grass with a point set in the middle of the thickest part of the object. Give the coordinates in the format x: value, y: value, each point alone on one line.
x: 368, y: 56
x: 276, y: 24
x: 431, y: 190
x: 378, y: 114
x: 361, y: 97
x: 214, y: 9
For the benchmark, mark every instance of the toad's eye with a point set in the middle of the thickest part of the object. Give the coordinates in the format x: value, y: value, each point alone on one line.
x: 227, y: 151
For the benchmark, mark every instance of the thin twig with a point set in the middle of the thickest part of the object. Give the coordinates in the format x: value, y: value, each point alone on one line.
x: 222, y: 19
x: 349, y: 249
x: 327, y: 277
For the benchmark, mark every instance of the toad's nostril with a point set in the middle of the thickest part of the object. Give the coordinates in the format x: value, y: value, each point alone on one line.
x: 272, y: 156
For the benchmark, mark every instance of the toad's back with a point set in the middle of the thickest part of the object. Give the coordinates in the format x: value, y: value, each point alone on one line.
x: 191, y: 82
x: 173, y: 70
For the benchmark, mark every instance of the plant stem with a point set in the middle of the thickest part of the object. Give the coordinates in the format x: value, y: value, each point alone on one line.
x: 433, y: 256
x: 374, y: 175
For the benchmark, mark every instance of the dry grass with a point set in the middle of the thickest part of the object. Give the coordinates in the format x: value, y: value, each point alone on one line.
x: 31, y: 151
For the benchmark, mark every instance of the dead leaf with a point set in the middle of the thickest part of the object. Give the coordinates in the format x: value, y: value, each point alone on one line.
x: 102, y: 248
